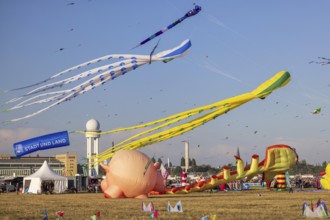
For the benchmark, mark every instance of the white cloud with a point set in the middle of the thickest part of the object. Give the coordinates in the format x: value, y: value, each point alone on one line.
x: 219, y: 23
x: 17, y: 134
x: 10, y: 136
x: 215, y: 69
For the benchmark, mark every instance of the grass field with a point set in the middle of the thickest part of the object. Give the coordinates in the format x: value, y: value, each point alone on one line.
x: 251, y: 204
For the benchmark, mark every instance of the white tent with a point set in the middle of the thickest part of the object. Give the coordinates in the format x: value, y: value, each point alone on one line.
x: 32, y: 183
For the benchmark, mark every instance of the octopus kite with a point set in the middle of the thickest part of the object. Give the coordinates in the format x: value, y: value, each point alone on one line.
x: 99, y: 76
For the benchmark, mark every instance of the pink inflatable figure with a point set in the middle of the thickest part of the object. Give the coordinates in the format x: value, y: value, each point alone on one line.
x: 130, y: 174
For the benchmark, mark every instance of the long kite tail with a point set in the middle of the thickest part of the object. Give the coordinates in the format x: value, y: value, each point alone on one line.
x: 214, y: 110
x: 101, y: 75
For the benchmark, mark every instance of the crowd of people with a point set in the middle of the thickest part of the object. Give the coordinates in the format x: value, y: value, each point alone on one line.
x: 306, y: 182
x: 47, y: 187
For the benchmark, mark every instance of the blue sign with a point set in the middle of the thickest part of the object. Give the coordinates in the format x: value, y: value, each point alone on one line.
x: 59, y: 139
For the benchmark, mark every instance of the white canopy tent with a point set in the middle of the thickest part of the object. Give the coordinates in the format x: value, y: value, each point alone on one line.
x: 32, y: 183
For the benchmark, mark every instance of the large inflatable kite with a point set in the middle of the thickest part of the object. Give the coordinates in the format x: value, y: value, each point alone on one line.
x: 101, y: 75
x: 325, y: 179
x: 131, y: 175
x: 279, y: 158
x: 209, y: 112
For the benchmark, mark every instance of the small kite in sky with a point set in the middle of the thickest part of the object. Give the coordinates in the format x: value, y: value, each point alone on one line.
x: 317, y: 111
x: 100, y: 75
x: 322, y: 61
x: 190, y: 13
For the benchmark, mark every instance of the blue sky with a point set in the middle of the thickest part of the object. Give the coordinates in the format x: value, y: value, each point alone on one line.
x: 236, y: 45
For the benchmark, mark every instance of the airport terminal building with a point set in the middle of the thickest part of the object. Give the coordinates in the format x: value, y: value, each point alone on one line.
x: 63, y: 164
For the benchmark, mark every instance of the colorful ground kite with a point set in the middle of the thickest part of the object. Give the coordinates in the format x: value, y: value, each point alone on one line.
x: 104, y: 74
x: 60, y: 215
x: 325, y: 179
x: 279, y: 158
x: 319, y: 210
x: 212, y: 217
x: 124, y: 178
x: 147, y: 208
x: 154, y: 214
x: 212, y: 112
x: 45, y: 215
x: 176, y: 208
x: 190, y: 13
x: 96, y: 216
x: 322, y: 61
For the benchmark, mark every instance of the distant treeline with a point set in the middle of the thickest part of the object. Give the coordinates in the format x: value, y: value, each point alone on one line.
x: 303, y: 167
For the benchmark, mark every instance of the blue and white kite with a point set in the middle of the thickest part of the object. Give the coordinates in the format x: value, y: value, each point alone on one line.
x: 190, y: 13
x: 100, y: 75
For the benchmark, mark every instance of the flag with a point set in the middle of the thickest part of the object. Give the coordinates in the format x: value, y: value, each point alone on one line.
x: 163, y: 171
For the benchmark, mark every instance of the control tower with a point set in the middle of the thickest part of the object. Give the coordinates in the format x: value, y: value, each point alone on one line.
x: 92, y: 135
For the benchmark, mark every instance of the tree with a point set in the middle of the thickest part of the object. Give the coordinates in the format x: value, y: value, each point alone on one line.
x: 203, y: 168
x: 193, y: 165
x: 177, y: 171
x: 183, y: 162
x: 302, y: 167
x: 167, y: 166
x: 324, y: 164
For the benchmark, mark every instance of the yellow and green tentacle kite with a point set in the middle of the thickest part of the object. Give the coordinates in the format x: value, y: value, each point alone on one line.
x: 211, y: 112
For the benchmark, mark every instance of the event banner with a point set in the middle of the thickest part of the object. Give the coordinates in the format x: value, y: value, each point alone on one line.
x: 59, y: 139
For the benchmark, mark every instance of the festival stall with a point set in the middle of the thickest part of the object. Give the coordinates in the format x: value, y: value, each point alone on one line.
x: 45, y: 176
